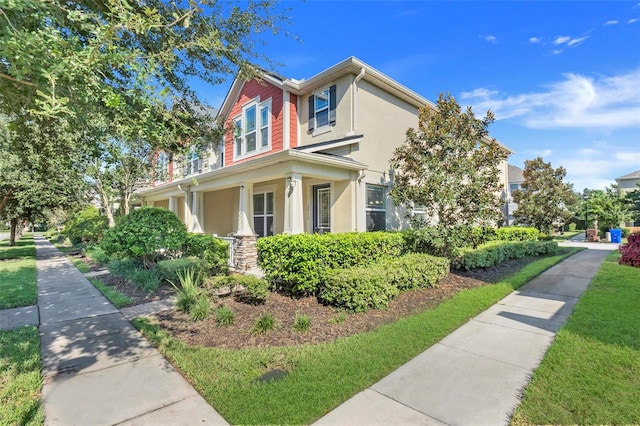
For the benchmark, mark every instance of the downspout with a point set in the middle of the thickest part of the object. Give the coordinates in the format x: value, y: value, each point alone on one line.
x: 361, y: 174
x: 354, y: 122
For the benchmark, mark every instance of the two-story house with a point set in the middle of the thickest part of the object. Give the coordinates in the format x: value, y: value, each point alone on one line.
x: 299, y: 156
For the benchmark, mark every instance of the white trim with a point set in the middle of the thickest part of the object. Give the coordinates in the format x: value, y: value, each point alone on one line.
x: 286, y: 119
x: 259, y: 149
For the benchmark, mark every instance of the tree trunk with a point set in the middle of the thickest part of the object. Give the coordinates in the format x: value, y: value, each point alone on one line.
x: 105, y: 203
x: 12, y: 236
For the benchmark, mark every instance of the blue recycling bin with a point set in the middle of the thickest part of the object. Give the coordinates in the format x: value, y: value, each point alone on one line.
x: 616, y: 235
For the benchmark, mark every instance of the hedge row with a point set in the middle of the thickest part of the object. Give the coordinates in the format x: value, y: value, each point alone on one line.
x: 361, y: 288
x: 495, y: 252
x: 298, y: 264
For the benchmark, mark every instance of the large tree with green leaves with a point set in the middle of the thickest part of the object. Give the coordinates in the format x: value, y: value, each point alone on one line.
x: 450, y: 166
x: 608, y: 208
x: 130, y: 63
x: 544, y: 197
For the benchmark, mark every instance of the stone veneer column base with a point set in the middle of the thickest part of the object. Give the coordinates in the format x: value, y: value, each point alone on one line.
x: 246, y: 253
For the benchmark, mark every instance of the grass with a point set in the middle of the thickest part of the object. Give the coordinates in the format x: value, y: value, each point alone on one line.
x: 567, y: 235
x: 20, y: 377
x: 323, y: 376
x: 118, y: 299
x: 18, y: 285
x: 591, y: 373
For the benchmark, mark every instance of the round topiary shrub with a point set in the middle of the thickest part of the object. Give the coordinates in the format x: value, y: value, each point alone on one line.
x: 148, y: 234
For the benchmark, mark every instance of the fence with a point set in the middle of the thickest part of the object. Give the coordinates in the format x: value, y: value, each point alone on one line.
x: 232, y: 248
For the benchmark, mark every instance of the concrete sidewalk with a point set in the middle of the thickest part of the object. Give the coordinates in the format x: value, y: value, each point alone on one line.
x: 98, y: 368
x: 476, y: 374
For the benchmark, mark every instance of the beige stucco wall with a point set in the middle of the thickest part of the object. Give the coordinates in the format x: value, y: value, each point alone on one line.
x: 628, y: 185
x: 342, y: 193
x: 164, y: 204
x: 181, y: 208
x: 220, y: 211
x: 343, y: 123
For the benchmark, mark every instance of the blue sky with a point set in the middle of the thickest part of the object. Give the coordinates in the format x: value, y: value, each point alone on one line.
x: 563, y: 78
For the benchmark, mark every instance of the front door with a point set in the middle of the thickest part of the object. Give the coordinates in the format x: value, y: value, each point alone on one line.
x: 322, y: 208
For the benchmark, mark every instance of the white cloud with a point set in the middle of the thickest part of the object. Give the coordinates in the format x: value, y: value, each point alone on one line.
x: 576, y: 41
x: 632, y: 21
x: 561, y: 39
x: 577, y: 101
x: 540, y: 152
x: 534, y: 40
x: 611, y: 22
x: 591, y: 169
x: 491, y: 39
x: 556, y: 51
x: 478, y: 93
x: 589, y: 151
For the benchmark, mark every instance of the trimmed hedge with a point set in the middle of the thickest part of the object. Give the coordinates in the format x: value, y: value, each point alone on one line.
x: 88, y: 225
x: 209, y: 248
x: 169, y: 269
x: 359, y: 289
x: 500, y: 251
x: 415, y: 270
x: 515, y: 233
x: 298, y: 264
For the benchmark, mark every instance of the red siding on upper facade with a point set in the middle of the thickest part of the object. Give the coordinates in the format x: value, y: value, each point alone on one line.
x: 293, y: 121
x: 251, y: 90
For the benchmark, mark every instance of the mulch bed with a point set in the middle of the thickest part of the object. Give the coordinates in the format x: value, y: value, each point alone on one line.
x: 326, y: 323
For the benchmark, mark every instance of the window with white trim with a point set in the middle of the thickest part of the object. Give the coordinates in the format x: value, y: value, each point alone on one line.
x: 193, y: 163
x: 252, y: 130
x: 419, y: 211
x: 514, y: 187
x: 263, y: 214
x: 376, y: 208
x: 322, y: 109
x: 161, y: 167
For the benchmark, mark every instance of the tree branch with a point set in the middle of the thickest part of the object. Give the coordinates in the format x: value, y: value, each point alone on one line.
x: 8, y: 77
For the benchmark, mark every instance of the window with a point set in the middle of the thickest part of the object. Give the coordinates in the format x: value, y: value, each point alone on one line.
x: 252, y: 130
x: 322, y: 108
x: 419, y: 211
x: 513, y: 186
x: 161, y: 168
x: 376, y: 208
x: 263, y: 214
x: 193, y: 162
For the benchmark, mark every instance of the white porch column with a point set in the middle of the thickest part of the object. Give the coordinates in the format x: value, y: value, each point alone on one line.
x: 293, y: 208
x: 196, y: 212
x: 245, y: 210
x: 173, y: 205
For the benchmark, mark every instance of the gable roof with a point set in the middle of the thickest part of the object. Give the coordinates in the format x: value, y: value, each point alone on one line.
x: 632, y: 175
x: 515, y: 174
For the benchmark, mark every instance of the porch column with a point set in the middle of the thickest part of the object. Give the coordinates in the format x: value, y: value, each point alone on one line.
x: 245, y: 210
x: 187, y: 209
x: 293, y: 208
x: 196, y: 212
x: 173, y: 205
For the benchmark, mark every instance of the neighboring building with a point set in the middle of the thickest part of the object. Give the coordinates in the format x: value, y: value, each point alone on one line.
x: 629, y: 182
x: 299, y: 156
x: 515, y: 178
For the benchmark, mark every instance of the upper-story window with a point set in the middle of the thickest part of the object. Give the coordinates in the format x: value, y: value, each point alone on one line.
x: 514, y: 187
x: 193, y: 162
x: 252, y: 130
x: 161, y: 167
x: 322, y: 109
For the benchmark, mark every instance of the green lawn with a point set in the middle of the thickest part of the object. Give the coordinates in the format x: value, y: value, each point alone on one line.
x: 18, y: 273
x: 567, y: 235
x: 591, y: 373
x: 118, y: 299
x: 325, y: 375
x: 20, y: 377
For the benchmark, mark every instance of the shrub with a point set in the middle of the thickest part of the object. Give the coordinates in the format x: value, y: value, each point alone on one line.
x: 630, y: 252
x: 572, y: 226
x: 265, y: 322
x: 212, y: 250
x: 96, y: 254
x: 301, y: 322
x: 499, y: 251
x: 170, y: 269
x: 358, y: 289
x: 414, y: 270
x: 625, y: 232
x: 201, y: 309
x: 515, y: 233
x: 298, y: 264
x: 224, y: 316
x: 88, y: 225
x: 437, y: 240
x: 147, y: 279
x: 188, y: 292
x: 147, y: 234
x: 123, y: 268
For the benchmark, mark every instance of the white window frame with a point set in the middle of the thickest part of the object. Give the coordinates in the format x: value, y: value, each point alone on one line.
x: 264, y: 215
x: 193, y: 163
x: 240, y: 132
x: 161, y: 168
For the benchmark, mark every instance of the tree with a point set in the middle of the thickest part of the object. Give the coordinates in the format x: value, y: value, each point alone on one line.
x: 608, y: 208
x: 130, y: 63
x: 544, y: 197
x: 450, y: 166
x: 633, y: 198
